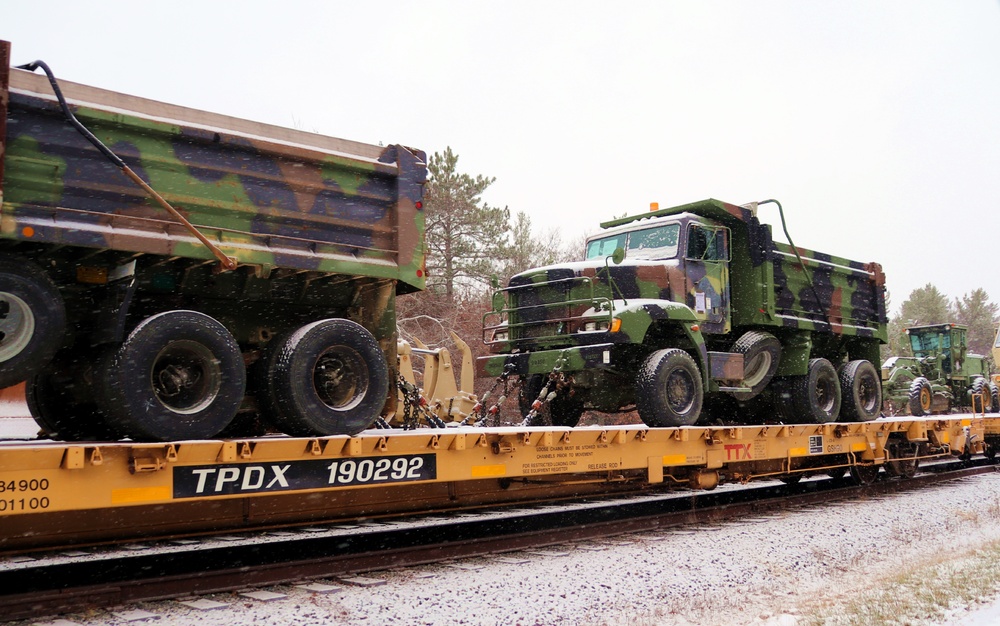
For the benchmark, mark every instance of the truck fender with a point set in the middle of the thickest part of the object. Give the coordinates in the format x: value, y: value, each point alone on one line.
x: 640, y: 319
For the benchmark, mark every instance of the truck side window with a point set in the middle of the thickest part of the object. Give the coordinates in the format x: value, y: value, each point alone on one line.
x: 697, y: 243
x: 707, y: 244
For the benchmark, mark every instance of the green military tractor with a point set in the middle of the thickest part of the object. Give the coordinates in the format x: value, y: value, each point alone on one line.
x: 941, y: 375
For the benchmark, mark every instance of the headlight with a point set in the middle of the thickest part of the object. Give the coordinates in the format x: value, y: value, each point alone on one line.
x: 592, y: 327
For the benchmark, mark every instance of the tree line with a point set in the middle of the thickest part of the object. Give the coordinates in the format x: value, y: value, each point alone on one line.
x: 927, y: 305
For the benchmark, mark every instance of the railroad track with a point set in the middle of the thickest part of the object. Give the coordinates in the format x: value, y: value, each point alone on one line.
x: 68, y: 582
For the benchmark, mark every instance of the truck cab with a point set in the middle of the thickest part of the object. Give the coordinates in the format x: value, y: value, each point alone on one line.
x: 695, y: 253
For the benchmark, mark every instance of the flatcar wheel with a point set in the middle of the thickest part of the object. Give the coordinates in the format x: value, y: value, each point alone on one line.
x: 327, y: 378
x: 990, y: 452
x: 903, y: 459
x: 864, y: 473
x: 178, y: 375
x: 668, y: 389
x: 61, y: 401
x: 32, y: 320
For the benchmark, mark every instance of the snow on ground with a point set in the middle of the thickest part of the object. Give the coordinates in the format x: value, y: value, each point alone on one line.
x: 792, y: 568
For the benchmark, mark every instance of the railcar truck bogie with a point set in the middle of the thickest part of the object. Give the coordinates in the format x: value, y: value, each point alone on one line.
x: 163, y: 269
x: 693, y: 314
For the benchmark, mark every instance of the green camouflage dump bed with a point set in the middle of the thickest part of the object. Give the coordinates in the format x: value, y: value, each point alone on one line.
x: 269, y: 196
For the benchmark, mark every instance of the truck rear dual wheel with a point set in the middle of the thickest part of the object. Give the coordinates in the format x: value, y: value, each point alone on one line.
x: 668, y: 389
x: 861, y: 392
x: 32, y: 320
x: 178, y: 375
x: 920, y: 397
x: 61, y: 400
x: 327, y: 378
x: 811, y: 399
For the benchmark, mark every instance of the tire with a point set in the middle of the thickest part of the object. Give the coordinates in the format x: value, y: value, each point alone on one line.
x: 920, y: 397
x: 811, y: 399
x: 178, y: 375
x: 982, y: 386
x: 861, y: 392
x: 565, y: 410
x: 327, y: 378
x: 995, y: 398
x: 61, y: 400
x: 669, y: 390
x: 32, y: 320
x: 761, y: 354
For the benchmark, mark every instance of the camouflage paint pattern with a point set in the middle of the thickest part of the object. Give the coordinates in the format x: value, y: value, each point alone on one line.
x: 269, y: 203
x: 321, y: 227
x: 833, y: 308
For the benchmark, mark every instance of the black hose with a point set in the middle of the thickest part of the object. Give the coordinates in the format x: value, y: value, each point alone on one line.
x: 31, y: 67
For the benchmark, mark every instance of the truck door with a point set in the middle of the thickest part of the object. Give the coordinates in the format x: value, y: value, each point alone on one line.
x: 707, y: 271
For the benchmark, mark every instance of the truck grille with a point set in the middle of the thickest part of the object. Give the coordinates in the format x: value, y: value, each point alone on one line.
x: 544, y: 310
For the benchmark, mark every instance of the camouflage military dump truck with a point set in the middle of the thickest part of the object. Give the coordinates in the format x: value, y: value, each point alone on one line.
x: 941, y: 375
x: 694, y: 313
x: 220, y: 267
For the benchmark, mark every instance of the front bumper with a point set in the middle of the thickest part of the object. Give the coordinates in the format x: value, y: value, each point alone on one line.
x: 573, y: 359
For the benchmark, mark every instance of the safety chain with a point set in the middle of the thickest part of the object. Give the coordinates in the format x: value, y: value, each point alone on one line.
x: 555, y: 382
x: 415, y: 407
x: 478, y: 416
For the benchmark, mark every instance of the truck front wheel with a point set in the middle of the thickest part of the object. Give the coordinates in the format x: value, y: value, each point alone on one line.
x: 668, y: 389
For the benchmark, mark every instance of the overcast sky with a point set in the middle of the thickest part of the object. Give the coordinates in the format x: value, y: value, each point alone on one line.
x: 876, y: 124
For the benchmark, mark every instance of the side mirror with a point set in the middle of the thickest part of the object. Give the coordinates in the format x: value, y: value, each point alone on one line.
x: 618, y: 255
x: 494, y: 282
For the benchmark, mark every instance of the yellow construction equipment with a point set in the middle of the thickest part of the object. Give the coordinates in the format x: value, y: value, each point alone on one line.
x: 448, y: 401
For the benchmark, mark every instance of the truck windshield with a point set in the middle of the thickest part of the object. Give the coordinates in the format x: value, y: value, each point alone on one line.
x: 649, y: 243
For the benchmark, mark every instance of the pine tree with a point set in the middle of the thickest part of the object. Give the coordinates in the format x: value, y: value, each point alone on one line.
x: 465, y: 236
